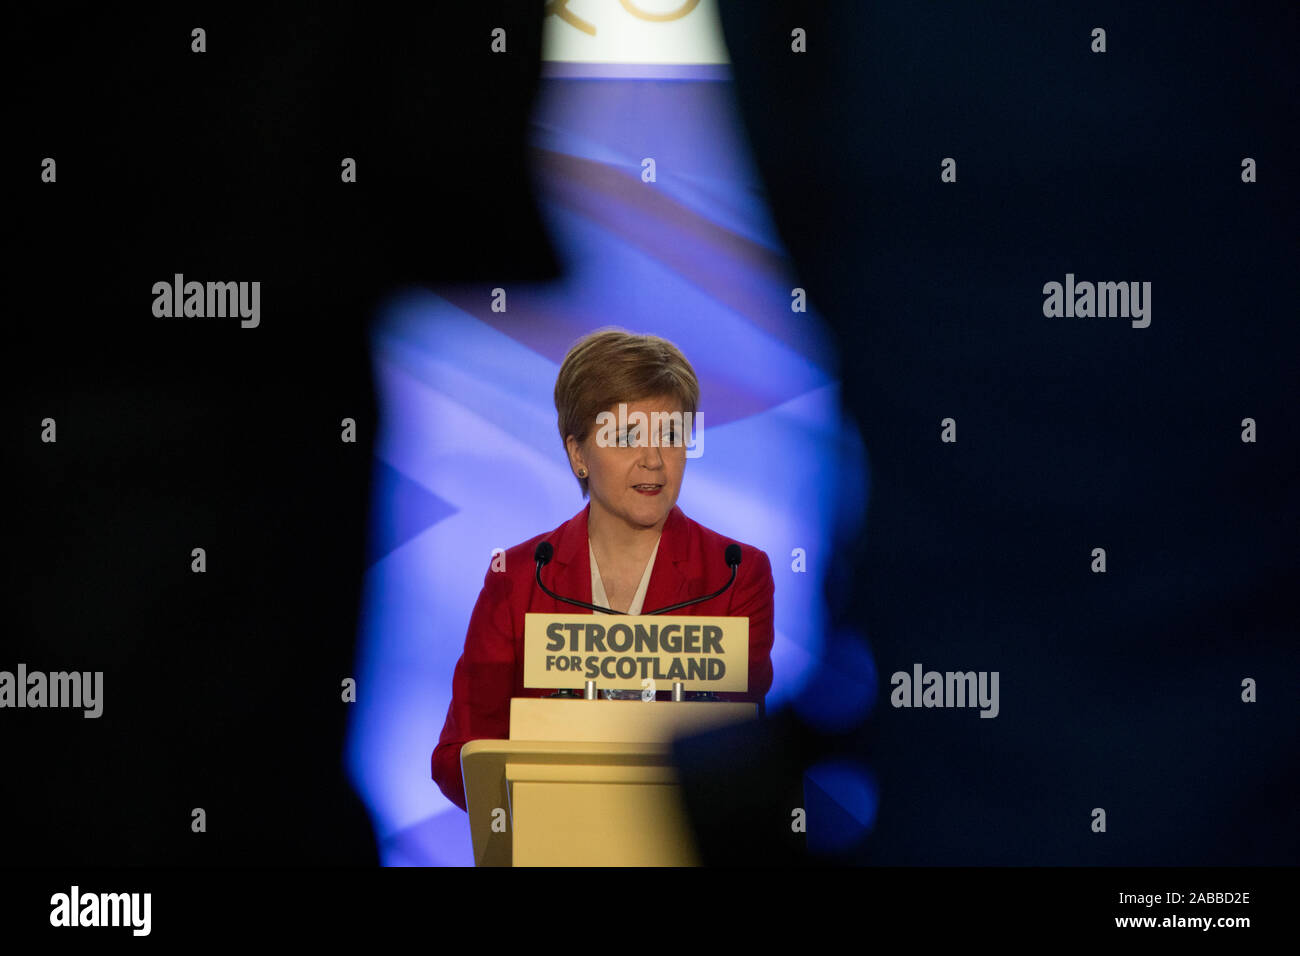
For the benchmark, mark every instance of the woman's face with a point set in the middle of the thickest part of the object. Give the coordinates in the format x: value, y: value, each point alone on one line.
x: 628, y: 475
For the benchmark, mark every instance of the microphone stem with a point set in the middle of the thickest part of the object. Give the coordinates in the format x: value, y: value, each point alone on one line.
x: 582, y: 604
x: 698, y: 600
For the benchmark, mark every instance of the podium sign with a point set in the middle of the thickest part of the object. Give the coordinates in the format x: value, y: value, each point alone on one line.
x: 629, y: 652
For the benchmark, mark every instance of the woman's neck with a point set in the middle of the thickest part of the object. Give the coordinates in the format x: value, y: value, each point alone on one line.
x: 611, y: 536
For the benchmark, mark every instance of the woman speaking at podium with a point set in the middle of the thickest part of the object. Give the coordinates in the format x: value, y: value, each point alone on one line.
x: 631, y: 549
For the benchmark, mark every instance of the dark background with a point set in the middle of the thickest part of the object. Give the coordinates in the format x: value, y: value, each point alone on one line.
x: 1118, y: 691
x: 222, y: 690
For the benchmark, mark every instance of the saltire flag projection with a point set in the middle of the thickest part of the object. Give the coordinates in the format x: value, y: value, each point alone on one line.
x: 469, y: 457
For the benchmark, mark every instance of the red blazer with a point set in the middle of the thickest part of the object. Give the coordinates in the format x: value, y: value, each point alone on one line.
x: 490, y: 671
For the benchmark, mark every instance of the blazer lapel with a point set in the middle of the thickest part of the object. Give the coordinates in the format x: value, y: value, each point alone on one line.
x: 667, y: 580
x: 571, y: 566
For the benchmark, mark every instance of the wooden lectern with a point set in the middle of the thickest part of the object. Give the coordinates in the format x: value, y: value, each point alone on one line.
x: 586, y: 782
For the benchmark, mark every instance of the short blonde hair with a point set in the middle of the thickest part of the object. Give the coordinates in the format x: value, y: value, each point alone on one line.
x: 613, y: 365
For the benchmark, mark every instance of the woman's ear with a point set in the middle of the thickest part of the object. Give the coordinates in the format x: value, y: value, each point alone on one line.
x: 574, y: 449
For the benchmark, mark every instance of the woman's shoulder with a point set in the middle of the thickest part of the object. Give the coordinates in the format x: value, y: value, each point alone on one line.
x: 709, y: 542
x: 564, y: 539
x: 568, y: 541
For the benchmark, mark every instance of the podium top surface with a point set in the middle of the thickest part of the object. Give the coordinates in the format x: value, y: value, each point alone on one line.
x: 620, y: 721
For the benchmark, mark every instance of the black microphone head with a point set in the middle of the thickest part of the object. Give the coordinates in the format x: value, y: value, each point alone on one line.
x: 733, y: 555
x: 544, y: 553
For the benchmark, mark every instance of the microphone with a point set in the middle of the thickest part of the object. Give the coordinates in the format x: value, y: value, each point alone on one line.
x: 732, y: 557
x: 544, y: 552
x: 542, y: 555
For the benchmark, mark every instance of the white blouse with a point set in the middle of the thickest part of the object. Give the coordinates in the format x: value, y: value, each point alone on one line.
x: 598, y: 597
x: 598, y: 586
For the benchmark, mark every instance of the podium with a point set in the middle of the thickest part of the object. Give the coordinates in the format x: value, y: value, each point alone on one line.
x: 586, y: 782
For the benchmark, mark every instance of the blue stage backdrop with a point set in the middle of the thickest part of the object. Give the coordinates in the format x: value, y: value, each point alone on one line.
x: 469, y: 457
